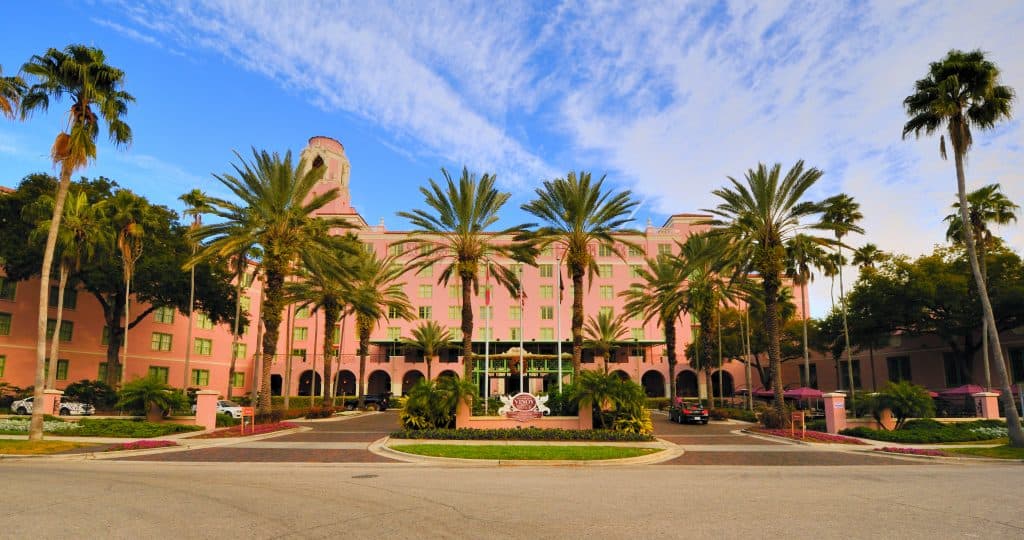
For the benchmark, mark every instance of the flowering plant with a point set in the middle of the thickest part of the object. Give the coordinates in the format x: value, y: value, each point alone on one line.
x: 911, y: 451
x: 813, y: 436
x: 258, y: 429
x: 145, y: 444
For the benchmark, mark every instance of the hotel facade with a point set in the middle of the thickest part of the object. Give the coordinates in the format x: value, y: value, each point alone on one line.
x: 157, y: 345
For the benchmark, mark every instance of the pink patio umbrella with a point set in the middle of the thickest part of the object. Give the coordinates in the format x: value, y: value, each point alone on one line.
x: 802, y: 393
x: 764, y: 393
x: 961, y: 391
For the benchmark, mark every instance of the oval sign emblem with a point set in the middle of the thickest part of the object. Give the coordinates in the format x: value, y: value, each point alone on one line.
x: 524, y: 402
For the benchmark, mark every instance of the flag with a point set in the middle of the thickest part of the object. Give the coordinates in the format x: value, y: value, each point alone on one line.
x: 487, y: 285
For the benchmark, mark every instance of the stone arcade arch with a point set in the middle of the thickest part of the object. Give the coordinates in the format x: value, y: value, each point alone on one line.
x: 345, y: 383
x: 379, y: 382
x: 654, y: 383
x: 686, y: 384
x: 308, y: 379
x: 727, y: 384
x: 410, y: 379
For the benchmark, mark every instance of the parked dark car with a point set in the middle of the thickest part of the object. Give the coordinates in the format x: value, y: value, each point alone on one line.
x: 684, y: 412
x: 371, y: 402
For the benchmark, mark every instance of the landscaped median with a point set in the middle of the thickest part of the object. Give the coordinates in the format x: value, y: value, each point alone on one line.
x: 22, y: 447
x: 97, y: 427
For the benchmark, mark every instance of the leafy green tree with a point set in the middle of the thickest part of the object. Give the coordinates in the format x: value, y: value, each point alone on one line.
x: 960, y: 92
x: 842, y: 213
x: 454, y: 233
x: 757, y: 218
x: 603, y: 335
x: 431, y: 338
x: 11, y: 90
x: 277, y: 213
x: 96, y: 393
x: 580, y: 216
x: 152, y: 396
x: 905, y: 400
x: 128, y: 213
x: 802, y: 253
x: 82, y: 74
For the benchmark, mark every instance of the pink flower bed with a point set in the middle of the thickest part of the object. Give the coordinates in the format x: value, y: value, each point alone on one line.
x: 911, y: 451
x: 813, y: 436
x: 141, y: 445
x: 236, y: 431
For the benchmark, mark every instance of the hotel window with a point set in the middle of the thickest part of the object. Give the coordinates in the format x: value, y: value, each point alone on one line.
x: 456, y: 334
x: 845, y: 374
x: 454, y: 292
x: 547, y: 334
x: 237, y: 380
x: 394, y: 333
x: 426, y: 271
x: 203, y: 346
x: 247, y: 279
x: 607, y: 311
x: 517, y: 269
x: 239, y: 350
x: 515, y: 313
x: 455, y: 313
x: 547, y: 292
x: 546, y: 270
x: 394, y: 313
x: 636, y: 251
x: 204, y: 322
x: 300, y: 354
x: 547, y: 313
x: 636, y: 334
x: 395, y: 250
x: 513, y: 334
x: 425, y: 249
x: 604, y: 250
x: 335, y: 336
x: 813, y: 383
x: 426, y: 291
x: 300, y: 333
x: 62, y: 370
x: 245, y: 303
x: 664, y: 249
x: 102, y: 372
x: 67, y: 329
x: 368, y: 247
x: 636, y: 271
x: 955, y: 375
x: 547, y: 251
x: 1017, y: 365
x: 426, y: 313
x: 159, y: 373
x: 607, y: 292
x: 604, y: 270
x: 899, y: 368
x: 164, y: 314
x: 486, y: 313
x: 70, y: 297
x: 486, y: 334
x: 484, y: 289
x: 200, y: 377
x: 8, y: 289
x: 302, y: 312
x: 160, y: 341
x: 5, y: 324
x: 3, y: 365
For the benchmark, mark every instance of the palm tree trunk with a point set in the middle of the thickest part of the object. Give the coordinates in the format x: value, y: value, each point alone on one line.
x: 123, y: 368
x: 846, y: 332
x: 984, y: 335
x: 364, y: 347
x: 1016, y: 433
x: 467, y: 325
x: 271, y: 310
x: 807, y: 355
x: 707, y: 352
x: 51, y: 376
x: 670, y: 353
x: 577, y: 321
x: 35, y: 432
x: 290, y: 329
x: 770, y: 285
x: 331, y: 315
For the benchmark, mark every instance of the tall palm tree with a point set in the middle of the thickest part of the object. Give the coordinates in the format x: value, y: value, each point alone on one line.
x: 842, y: 213
x: 376, y: 294
x: 802, y: 253
x: 580, y: 215
x: 603, y: 334
x: 431, y: 338
x: 658, y: 295
x: 11, y: 90
x: 128, y: 213
x: 277, y: 214
x: 454, y: 234
x: 987, y: 205
x: 81, y: 234
x: 195, y: 202
x: 757, y: 217
x: 81, y: 73
x: 867, y: 256
x: 961, y: 92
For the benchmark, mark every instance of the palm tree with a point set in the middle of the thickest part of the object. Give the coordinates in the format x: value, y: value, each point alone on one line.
x: 11, y: 90
x: 986, y: 205
x: 376, y: 294
x: 803, y: 252
x: 658, y: 296
x: 842, y: 213
x: 603, y: 334
x: 757, y: 218
x: 866, y: 256
x: 431, y: 338
x: 128, y: 213
x: 277, y: 214
x: 81, y: 233
x: 81, y: 73
x: 453, y: 233
x: 195, y: 202
x: 962, y: 91
x: 580, y: 215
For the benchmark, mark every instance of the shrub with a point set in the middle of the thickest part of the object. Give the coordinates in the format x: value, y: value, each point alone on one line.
x: 724, y: 413
x: 97, y: 393
x: 432, y: 404
x: 904, y: 399
x: 817, y: 425
x: 561, y: 403
x: 271, y: 417
x: 141, y: 445
x: 930, y: 431
x: 320, y: 412
x: 771, y: 418
x: 104, y: 427
x: 613, y: 400
x: 522, y: 434
x: 149, y: 395
x: 225, y: 420
x: 659, y: 403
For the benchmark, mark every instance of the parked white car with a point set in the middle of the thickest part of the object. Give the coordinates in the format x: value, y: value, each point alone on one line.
x: 226, y: 407
x: 67, y: 408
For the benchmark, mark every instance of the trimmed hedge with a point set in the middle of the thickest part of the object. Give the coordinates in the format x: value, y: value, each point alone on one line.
x: 930, y: 431
x: 129, y: 428
x: 522, y: 434
x: 723, y: 413
x: 659, y: 403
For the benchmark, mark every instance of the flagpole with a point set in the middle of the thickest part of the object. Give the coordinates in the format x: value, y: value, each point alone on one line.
x: 487, y: 339
x: 522, y: 366
x: 558, y: 317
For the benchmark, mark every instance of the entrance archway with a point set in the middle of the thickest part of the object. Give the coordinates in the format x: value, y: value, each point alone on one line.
x: 378, y: 383
x: 410, y: 379
x: 686, y: 384
x: 308, y: 379
x: 448, y: 373
x: 276, y: 382
x: 726, y: 385
x: 653, y: 383
x: 621, y: 374
x: 345, y: 383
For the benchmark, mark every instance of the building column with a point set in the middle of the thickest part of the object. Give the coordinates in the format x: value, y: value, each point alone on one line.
x: 986, y: 405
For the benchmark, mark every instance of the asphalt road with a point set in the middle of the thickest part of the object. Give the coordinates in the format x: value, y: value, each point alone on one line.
x: 107, y: 499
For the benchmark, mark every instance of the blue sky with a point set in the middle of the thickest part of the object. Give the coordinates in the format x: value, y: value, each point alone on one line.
x: 667, y: 98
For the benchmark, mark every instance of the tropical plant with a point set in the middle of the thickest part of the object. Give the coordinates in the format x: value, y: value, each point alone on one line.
x: 905, y: 400
x: 431, y: 338
x: 454, y: 233
x: 580, y: 216
x: 603, y: 334
x: 842, y: 213
x: 960, y: 92
x: 802, y: 253
x: 152, y: 396
x: 867, y: 256
x: 81, y: 73
x: 11, y: 90
x: 129, y: 214
x: 658, y: 295
x: 756, y: 219
x: 195, y: 203
x: 431, y: 405
x: 278, y: 214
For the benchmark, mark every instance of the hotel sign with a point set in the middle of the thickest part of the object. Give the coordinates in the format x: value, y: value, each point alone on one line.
x: 523, y: 407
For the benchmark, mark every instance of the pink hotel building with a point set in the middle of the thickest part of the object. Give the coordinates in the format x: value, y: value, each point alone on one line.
x: 157, y: 346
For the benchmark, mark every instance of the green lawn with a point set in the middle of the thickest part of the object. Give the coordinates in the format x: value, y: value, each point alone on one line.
x: 1001, y: 452
x: 586, y: 453
x: 36, y: 447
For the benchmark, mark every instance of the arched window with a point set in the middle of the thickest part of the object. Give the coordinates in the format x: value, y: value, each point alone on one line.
x: 318, y: 162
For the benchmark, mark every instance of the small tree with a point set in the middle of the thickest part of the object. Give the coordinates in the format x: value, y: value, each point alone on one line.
x: 96, y: 393
x: 153, y: 396
x: 905, y: 400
